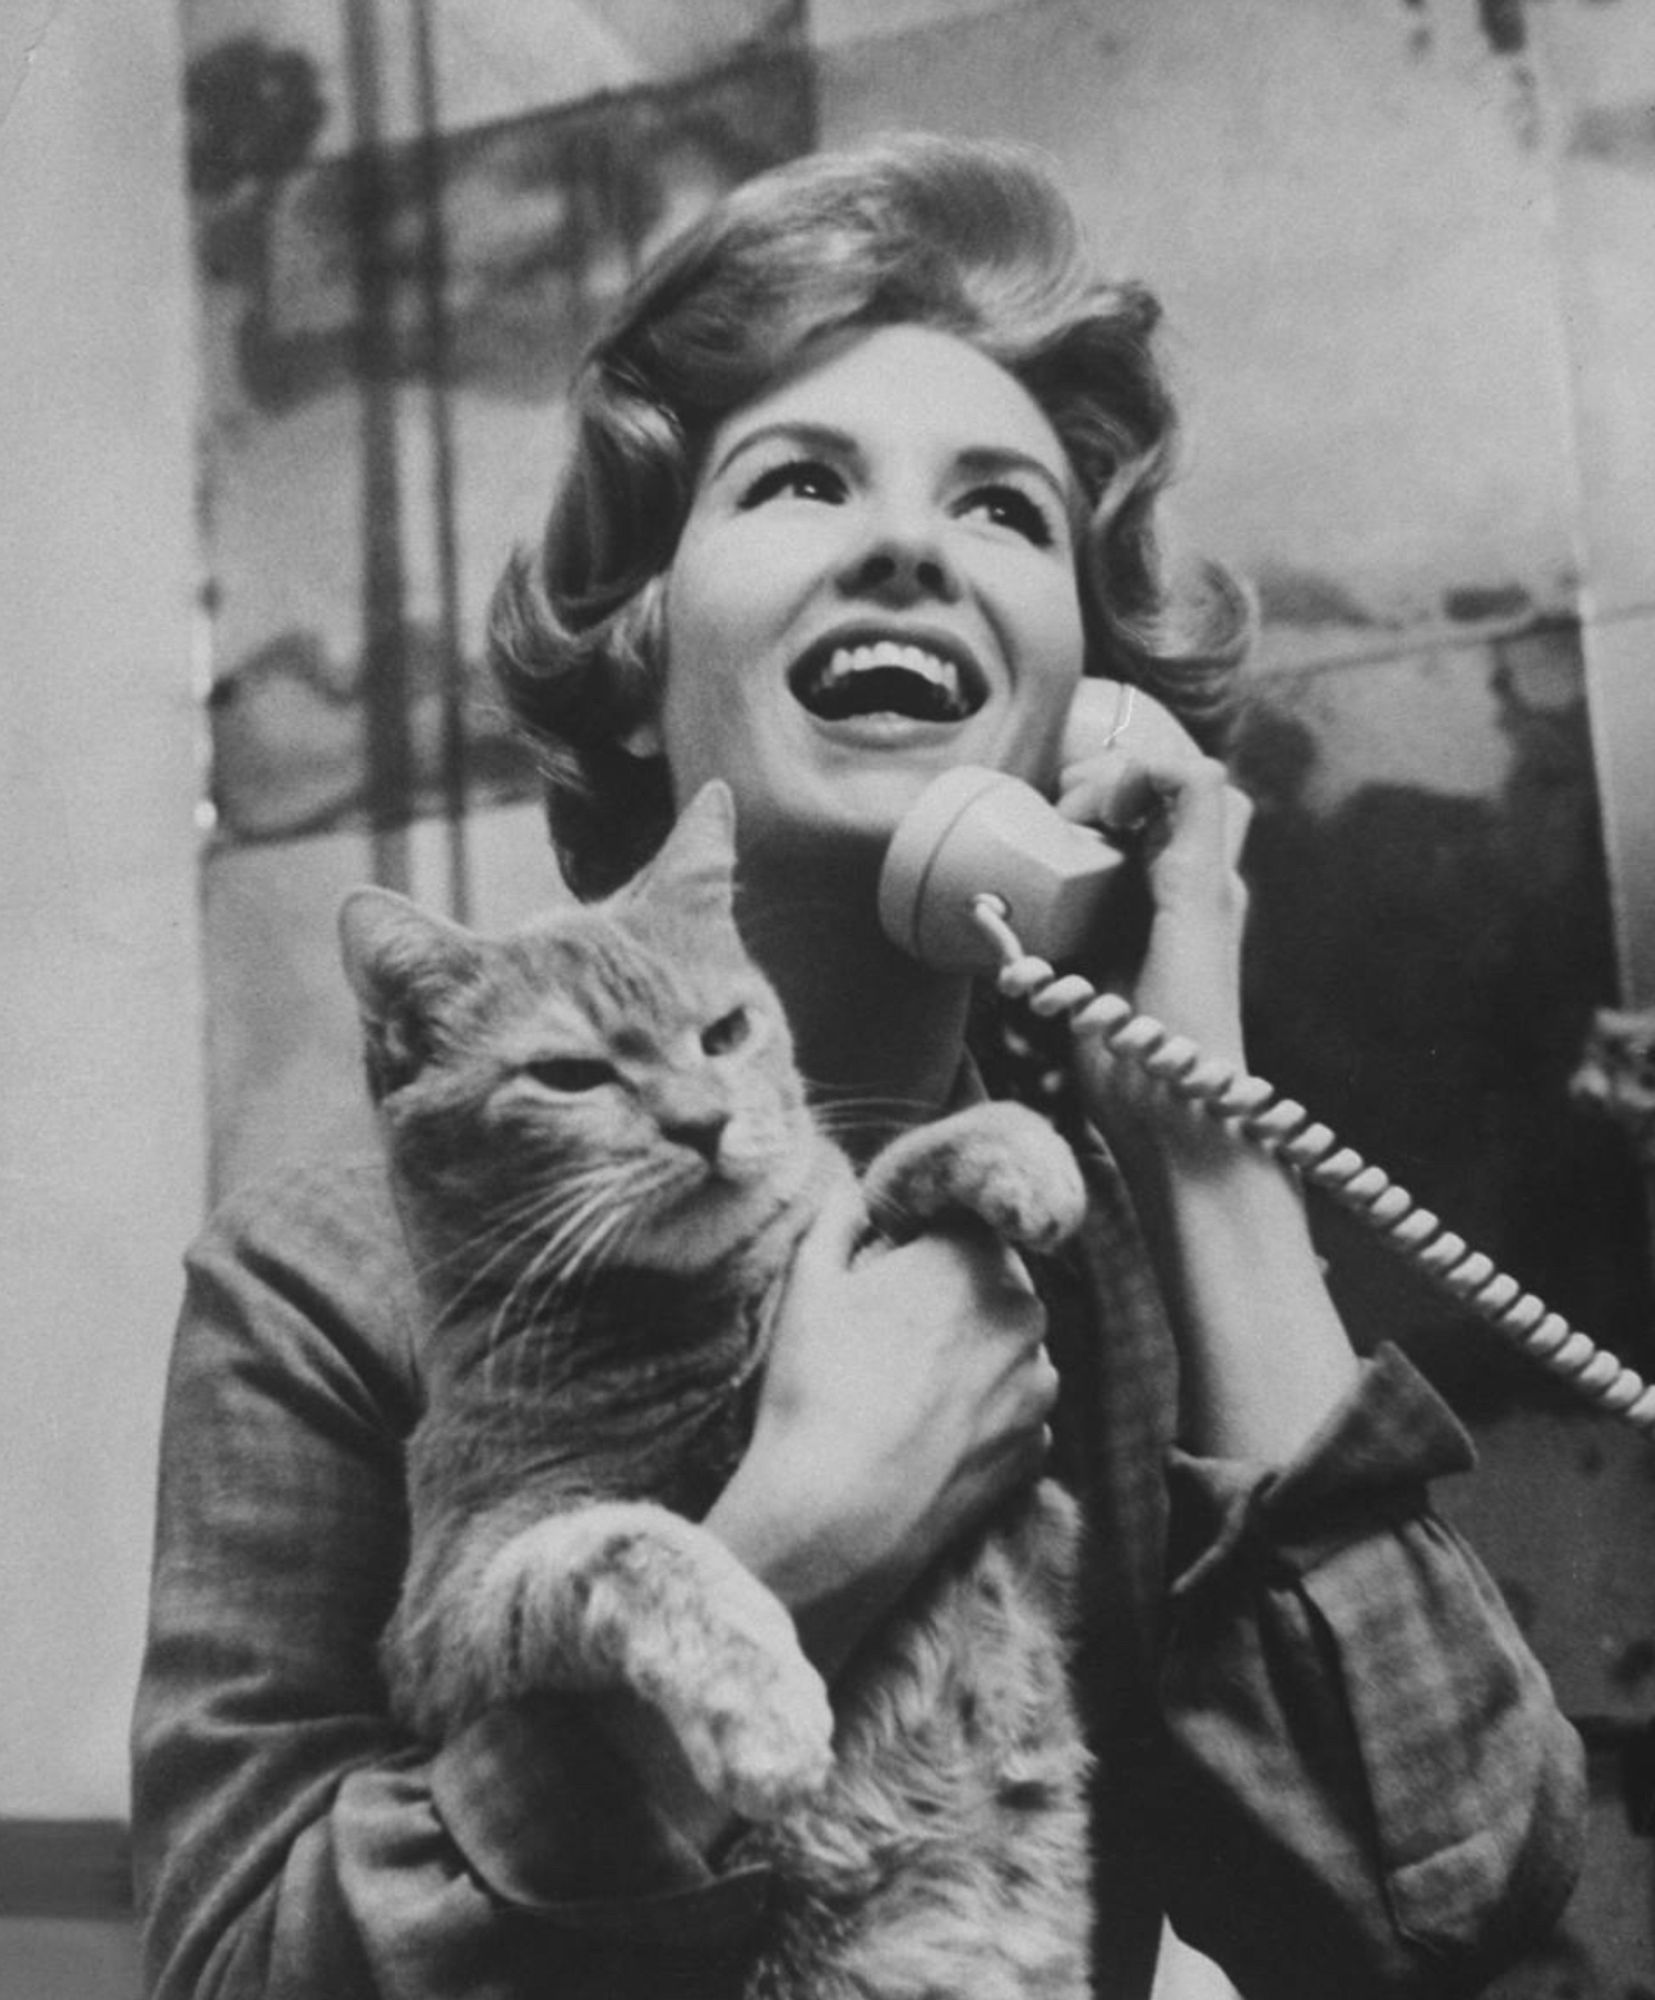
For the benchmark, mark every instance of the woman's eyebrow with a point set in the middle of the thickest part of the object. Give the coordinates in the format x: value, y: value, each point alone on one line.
x: 984, y: 461
x: 798, y: 435
x: 991, y: 461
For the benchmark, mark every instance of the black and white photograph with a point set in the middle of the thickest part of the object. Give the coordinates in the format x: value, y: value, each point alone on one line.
x: 827, y: 953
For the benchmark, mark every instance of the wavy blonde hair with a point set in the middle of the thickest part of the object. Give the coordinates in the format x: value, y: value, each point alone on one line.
x: 975, y: 239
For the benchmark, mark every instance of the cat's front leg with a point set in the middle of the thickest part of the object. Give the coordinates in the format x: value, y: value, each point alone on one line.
x: 626, y: 1594
x: 999, y: 1162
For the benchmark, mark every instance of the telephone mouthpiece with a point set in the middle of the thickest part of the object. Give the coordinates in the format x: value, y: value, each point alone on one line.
x: 975, y: 831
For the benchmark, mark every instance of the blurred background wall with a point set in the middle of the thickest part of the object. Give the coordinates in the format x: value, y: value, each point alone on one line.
x: 102, y: 1137
x: 292, y: 290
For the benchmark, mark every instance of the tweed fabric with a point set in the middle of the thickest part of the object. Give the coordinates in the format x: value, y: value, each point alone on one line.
x: 1322, y: 1745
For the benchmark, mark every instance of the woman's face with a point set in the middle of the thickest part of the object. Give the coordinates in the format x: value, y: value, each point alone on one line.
x: 876, y: 580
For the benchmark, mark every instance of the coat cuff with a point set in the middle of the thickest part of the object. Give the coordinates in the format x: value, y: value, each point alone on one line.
x: 1368, y: 1463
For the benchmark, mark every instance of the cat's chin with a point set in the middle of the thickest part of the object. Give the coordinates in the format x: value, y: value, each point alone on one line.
x: 709, y: 1224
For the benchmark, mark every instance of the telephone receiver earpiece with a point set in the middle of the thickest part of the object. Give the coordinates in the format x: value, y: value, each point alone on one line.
x: 975, y: 831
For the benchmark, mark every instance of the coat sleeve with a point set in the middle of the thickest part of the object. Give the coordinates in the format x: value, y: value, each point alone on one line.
x: 289, y: 1839
x: 1371, y: 1784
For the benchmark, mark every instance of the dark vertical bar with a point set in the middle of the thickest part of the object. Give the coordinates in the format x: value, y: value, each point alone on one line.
x: 387, y: 741
x: 798, y: 36
x: 439, y: 406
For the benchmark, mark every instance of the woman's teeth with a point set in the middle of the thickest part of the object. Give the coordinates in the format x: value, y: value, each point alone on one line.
x: 888, y: 677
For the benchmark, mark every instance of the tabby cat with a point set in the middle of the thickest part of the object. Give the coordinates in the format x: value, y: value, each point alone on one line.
x: 604, y: 1160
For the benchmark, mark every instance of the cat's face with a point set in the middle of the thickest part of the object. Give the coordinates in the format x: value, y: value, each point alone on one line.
x: 612, y: 1085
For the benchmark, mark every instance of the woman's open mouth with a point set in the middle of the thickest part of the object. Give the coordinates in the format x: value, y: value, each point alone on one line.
x: 841, y: 679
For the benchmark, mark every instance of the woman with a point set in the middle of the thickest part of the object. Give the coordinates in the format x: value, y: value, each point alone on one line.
x: 862, y: 487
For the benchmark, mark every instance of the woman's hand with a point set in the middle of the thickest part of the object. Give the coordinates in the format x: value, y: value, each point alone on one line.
x: 1129, y: 765
x: 906, y: 1391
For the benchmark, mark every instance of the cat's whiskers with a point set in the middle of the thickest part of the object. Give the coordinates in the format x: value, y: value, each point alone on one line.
x: 562, y: 1215
x: 545, y: 1277
x: 552, y: 1282
x: 556, y: 1288
x: 534, y: 1226
x: 578, y: 1231
x: 565, y: 1291
x: 837, y: 1109
x: 523, y: 1221
x: 869, y: 1116
x: 589, y: 1228
x: 503, y: 1227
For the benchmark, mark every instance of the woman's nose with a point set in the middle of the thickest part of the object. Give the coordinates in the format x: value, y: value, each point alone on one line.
x: 898, y: 563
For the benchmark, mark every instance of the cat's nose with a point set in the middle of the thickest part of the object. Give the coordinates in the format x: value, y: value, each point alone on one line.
x: 701, y: 1133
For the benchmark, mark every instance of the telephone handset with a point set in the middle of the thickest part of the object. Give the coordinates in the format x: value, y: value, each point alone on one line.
x: 973, y: 832
x: 982, y: 872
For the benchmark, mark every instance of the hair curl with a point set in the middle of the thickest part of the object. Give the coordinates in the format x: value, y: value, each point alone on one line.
x: 971, y: 238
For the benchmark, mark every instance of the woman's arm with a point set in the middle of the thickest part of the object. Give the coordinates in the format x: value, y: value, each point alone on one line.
x: 1365, y: 1758
x: 1365, y: 1755
x: 1264, y: 1355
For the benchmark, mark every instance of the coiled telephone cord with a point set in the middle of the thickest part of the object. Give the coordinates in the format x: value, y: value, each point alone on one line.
x: 1285, y: 1129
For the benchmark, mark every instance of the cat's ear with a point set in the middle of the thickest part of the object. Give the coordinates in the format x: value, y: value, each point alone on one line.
x: 402, y: 964
x: 694, y: 871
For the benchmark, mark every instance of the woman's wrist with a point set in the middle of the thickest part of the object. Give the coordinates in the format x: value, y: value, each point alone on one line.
x: 800, y: 1549
x: 1155, y: 1133
x: 1264, y: 1356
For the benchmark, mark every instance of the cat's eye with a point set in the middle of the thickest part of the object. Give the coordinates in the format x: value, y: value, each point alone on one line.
x: 728, y: 1032
x: 570, y: 1074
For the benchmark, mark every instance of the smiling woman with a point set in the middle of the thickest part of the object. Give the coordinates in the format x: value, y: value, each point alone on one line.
x: 861, y: 491
x: 878, y: 334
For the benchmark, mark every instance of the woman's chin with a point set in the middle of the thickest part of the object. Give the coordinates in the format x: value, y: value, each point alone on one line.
x: 835, y: 819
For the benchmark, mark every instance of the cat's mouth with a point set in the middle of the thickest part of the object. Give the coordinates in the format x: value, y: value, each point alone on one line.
x: 851, y: 675
x: 711, y: 1211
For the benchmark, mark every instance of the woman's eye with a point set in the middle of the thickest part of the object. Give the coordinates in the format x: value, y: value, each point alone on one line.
x: 801, y: 478
x: 1010, y: 507
x: 728, y: 1032
x: 570, y: 1074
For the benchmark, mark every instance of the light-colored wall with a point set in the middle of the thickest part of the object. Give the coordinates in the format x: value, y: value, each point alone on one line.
x: 101, y: 1146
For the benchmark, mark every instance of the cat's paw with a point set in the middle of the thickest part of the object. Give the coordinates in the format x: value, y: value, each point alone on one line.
x: 999, y: 1162
x: 761, y: 1740
x: 627, y: 1594
x: 749, y: 1710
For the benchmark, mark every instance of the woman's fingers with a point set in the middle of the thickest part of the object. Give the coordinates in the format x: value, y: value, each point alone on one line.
x: 1134, y: 770
x: 1110, y: 722
x: 1131, y: 793
x: 1146, y: 778
x: 839, y: 1224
